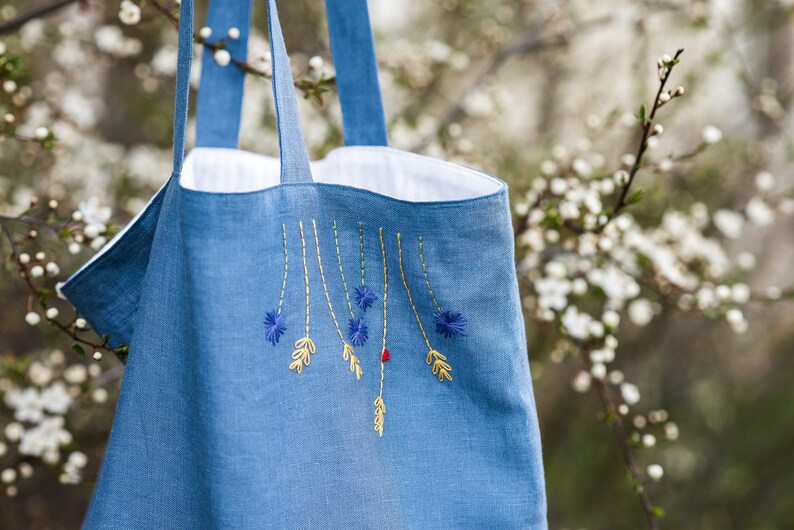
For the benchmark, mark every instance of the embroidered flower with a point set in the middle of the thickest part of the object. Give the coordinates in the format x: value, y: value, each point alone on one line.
x: 385, y: 355
x: 364, y: 297
x: 274, y: 326
x: 449, y: 323
x: 357, y: 331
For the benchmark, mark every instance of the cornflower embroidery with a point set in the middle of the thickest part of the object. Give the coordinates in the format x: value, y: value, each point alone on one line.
x: 435, y: 359
x: 357, y: 331
x: 448, y: 323
x: 380, y: 406
x: 348, y: 353
x: 304, y: 347
x: 275, y: 326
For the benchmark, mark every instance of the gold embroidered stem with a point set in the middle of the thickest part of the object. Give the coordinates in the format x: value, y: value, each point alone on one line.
x: 380, y: 406
x: 427, y: 278
x: 286, y: 267
x: 435, y: 359
x: 348, y: 353
x: 342, y: 272
x: 361, y: 247
x: 304, y: 347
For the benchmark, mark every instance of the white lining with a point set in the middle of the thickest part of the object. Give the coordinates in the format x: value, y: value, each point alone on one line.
x: 398, y: 174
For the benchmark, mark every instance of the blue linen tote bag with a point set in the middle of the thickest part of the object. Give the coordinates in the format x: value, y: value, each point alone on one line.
x: 329, y: 344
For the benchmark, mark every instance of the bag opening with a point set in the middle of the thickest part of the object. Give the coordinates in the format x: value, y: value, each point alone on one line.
x: 383, y: 170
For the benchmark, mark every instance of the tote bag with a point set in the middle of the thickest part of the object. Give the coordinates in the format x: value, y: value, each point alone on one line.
x: 329, y: 344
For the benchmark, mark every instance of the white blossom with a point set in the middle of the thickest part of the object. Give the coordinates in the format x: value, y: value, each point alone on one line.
x: 759, y: 213
x: 56, y: 398
x: 671, y: 431
x: 27, y: 404
x: 764, y: 181
x: 222, y: 57
x: 655, y: 472
x: 14, y: 431
x: 711, y: 134
x: 581, y: 382
x: 75, y: 374
x: 32, y: 318
x: 729, y: 223
x: 95, y: 216
x: 45, y: 439
x: 630, y: 393
x: 130, y: 13
x: 39, y: 373
x: 553, y: 293
x: 575, y: 323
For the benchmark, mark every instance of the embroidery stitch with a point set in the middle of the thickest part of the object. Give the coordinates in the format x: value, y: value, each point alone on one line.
x: 365, y: 297
x: 304, y: 347
x: 341, y: 271
x: 380, y: 406
x: 434, y: 358
x: 448, y: 323
x: 348, y: 353
x: 275, y: 326
x: 356, y: 328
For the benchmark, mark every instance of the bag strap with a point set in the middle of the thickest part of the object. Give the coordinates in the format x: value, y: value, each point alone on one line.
x: 292, y: 147
x: 220, y: 94
x: 221, y: 88
x: 353, y: 50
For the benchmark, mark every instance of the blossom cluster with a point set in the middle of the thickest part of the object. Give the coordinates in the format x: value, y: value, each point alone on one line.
x: 589, y: 264
x: 38, y: 394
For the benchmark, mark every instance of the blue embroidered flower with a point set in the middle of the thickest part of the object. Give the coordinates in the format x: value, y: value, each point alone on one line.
x: 449, y: 323
x: 357, y: 331
x: 364, y: 297
x: 274, y: 326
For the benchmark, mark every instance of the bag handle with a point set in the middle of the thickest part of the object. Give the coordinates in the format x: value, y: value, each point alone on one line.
x: 221, y: 88
x: 220, y: 94
x: 353, y: 50
x: 292, y: 147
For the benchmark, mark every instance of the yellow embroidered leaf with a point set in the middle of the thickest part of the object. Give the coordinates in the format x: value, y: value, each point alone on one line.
x: 304, y: 348
x: 347, y: 351
x: 444, y: 374
x: 297, y: 366
x: 380, y: 411
x: 440, y: 367
x: 358, y: 370
x: 305, y: 343
x: 348, y: 354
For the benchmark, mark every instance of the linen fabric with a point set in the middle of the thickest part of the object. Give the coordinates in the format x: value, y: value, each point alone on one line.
x: 219, y: 423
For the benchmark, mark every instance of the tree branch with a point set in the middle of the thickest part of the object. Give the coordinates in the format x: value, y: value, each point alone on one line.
x: 34, y: 12
x: 646, y: 133
x: 613, y: 418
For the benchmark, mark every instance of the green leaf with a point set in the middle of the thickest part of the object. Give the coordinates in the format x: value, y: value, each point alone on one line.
x: 643, y: 115
x: 635, y: 197
x: 122, y: 352
x: 658, y: 511
x: 78, y: 349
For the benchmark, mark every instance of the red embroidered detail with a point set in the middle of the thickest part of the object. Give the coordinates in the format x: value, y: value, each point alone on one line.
x: 385, y: 355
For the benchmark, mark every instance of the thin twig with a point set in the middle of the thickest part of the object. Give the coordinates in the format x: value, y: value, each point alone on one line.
x: 32, y: 13
x: 242, y: 65
x: 613, y: 417
x: 34, y: 292
x: 646, y: 133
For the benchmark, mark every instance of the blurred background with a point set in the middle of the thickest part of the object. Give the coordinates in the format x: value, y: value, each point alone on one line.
x: 540, y: 93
